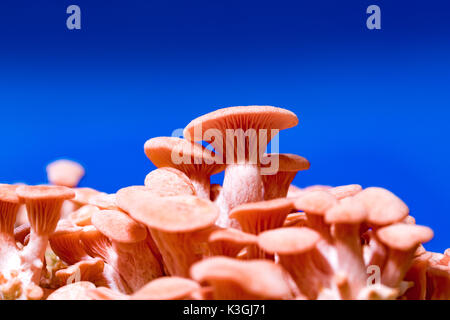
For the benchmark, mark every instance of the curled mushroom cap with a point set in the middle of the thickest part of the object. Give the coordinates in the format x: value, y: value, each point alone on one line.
x: 281, y: 171
x: 342, y: 192
x: 177, y: 213
x: 104, y: 201
x: 44, y: 205
x: 236, y: 279
x: 65, y: 173
x: 229, y: 242
x: 83, y: 195
x: 74, y: 291
x: 404, y: 237
x: 242, y: 117
x: 66, y: 244
x: 315, y: 202
x: 169, y: 182
x: 166, y: 288
x: 118, y: 226
x: 256, y: 217
x: 197, y: 162
x: 347, y: 211
x: 383, y: 206
x: 288, y: 240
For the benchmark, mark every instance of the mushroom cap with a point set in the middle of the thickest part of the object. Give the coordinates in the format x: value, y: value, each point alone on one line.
x: 74, y: 291
x: 288, y: 162
x: 118, y: 226
x: 346, y: 211
x: 166, y: 288
x: 176, y: 214
x: 383, y: 207
x: 404, y: 237
x: 242, y: 117
x: 232, y: 235
x: 262, y: 207
x: 65, y: 173
x: 315, y: 202
x: 294, y: 240
x: 104, y: 201
x: 83, y: 195
x: 261, y: 278
x: 8, y: 193
x: 42, y: 192
x: 169, y: 182
x: 82, y: 216
x: 342, y: 192
x: 160, y: 151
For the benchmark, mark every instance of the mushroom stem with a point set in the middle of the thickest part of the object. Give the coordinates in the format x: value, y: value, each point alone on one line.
x: 33, y: 254
x: 350, y: 256
x: 202, y: 185
x: 242, y: 183
x: 178, y: 251
x: 397, y: 264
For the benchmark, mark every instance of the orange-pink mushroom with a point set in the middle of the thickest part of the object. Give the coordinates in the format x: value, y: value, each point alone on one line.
x: 65, y: 173
x: 174, y: 224
x: 297, y: 252
x: 402, y: 241
x: 240, y: 135
x: 276, y: 184
x: 233, y: 279
x: 196, y: 161
x: 229, y: 242
x: 167, y: 181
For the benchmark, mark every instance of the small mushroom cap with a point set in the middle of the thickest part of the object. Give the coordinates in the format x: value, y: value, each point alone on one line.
x: 315, y: 202
x: 274, y: 205
x: 383, y: 207
x: 242, y: 117
x: 74, y: 291
x: 118, y: 226
x: 82, y: 216
x: 42, y: 192
x: 346, y: 211
x: 160, y: 151
x: 294, y: 240
x: 342, y: 192
x: 65, y: 173
x: 232, y: 235
x: 8, y: 193
x: 104, y: 201
x: 288, y: 162
x: 176, y: 214
x: 169, y: 182
x: 404, y: 237
x: 166, y: 288
x: 261, y: 278
x: 83, y: 195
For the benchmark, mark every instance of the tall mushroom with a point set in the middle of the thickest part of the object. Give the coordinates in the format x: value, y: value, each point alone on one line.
x: 43, y: 207
x: 252, y: 127
x: 257, y: 217
x: 297, y: 250
x: 402, y: 241
x: 276, y: 184
x: 174, y: 223
x: 346, y: 217
x: 197, y: 162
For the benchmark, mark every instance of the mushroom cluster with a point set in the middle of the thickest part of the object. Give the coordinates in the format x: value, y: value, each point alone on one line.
x: 177, y: 236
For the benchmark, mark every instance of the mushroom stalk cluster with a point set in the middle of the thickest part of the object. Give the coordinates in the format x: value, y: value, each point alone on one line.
x: 177, y: 236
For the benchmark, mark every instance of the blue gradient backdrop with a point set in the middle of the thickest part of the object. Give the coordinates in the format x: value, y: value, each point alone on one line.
x: 373, y: 105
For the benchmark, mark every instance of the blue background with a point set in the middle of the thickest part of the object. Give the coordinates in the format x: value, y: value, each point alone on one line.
x: 373, y: 105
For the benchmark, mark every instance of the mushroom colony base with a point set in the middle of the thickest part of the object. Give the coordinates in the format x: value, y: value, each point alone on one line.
x: 178, y: 236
